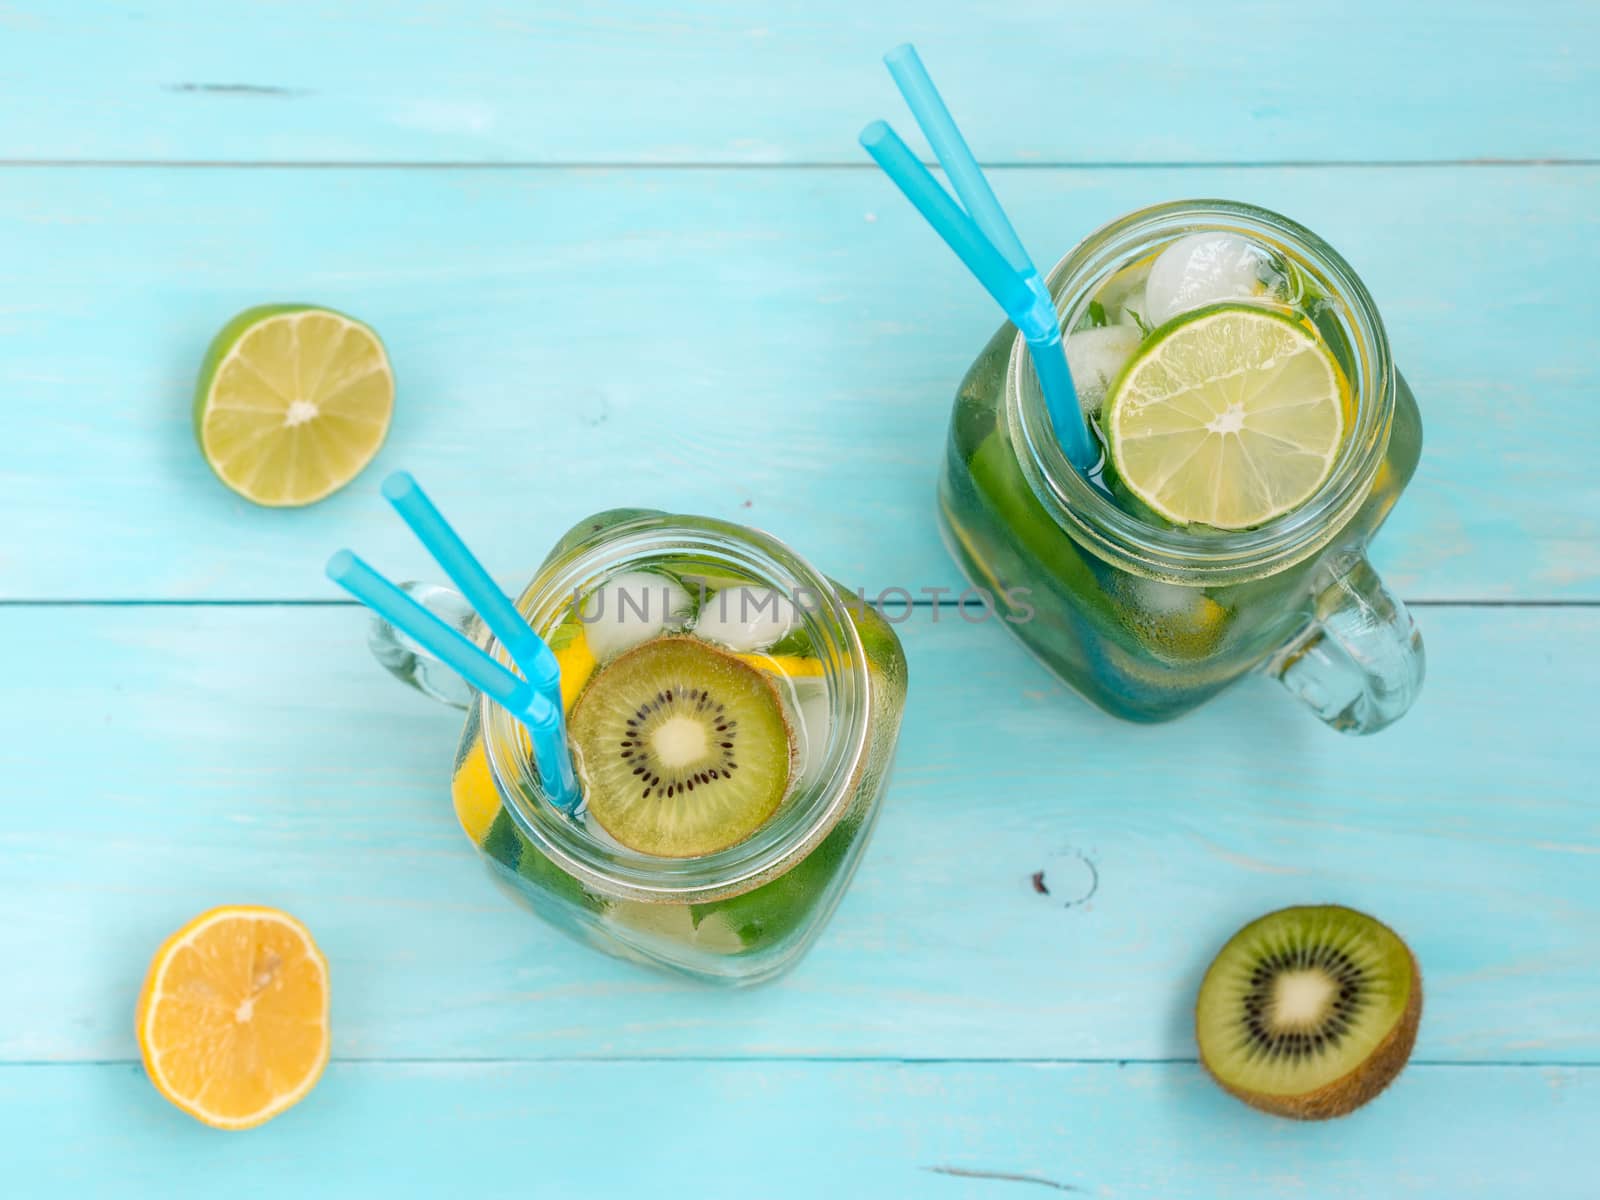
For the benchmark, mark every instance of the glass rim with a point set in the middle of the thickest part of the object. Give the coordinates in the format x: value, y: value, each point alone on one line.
x: 1217, y: 556
x: 804, y: 818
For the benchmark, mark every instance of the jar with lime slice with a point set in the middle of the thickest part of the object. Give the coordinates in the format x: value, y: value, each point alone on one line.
x: 1254, y: 435
x: 732, y: 715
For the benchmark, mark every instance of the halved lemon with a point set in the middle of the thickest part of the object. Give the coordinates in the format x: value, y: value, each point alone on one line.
x: 1230, y: 416
x: 293, y: 401
x: 233, y: 1018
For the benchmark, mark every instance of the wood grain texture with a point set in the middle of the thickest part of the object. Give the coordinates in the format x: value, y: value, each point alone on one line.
x: 720, y: 81
x: 775, y: 346
x: 161, y: 760
x: 944, y: 1131
x: 718, y: 329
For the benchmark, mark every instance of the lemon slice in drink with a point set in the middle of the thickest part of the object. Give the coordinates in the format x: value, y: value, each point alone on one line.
x: 1230, y: 416
x: 293, y: 402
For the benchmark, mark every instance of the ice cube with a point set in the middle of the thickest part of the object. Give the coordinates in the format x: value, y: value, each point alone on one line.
x: 1134, y: 311
x: 1123, y: 296
x: 1208, y: 268
x: 630, y: 609
x: 812, y: 728
x: 1096, y: 357
x: 746, y: 618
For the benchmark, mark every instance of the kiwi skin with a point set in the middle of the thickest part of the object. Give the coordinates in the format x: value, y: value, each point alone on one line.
x: 1350, y: 1091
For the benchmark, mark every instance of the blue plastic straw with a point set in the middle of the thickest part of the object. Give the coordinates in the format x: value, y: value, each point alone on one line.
x: 517, y: 696
x: 526, y: 648
x: 939, y: 127
x: 984, y: 239
x: 957, y: 229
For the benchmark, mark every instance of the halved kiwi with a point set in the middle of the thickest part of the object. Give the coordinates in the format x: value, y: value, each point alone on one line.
x: 683, y: 750
x: 1309, y: 1012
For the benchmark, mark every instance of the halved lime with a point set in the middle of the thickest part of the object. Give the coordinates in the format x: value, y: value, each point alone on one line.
x: 293, y: 401
x: 1230, y: 416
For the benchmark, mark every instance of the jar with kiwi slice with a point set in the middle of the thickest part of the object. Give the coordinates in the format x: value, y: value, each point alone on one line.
x: 732, y: 715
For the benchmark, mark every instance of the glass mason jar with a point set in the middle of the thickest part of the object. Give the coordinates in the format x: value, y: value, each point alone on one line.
x: 739, y: 915
x: 1149, y: 620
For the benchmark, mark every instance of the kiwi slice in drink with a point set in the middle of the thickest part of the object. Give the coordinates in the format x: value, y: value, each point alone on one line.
x: 683, y: 749
x: 1309, y: 1012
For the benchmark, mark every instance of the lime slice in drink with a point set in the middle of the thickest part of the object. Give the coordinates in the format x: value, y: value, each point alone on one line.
x: 292, y: 402
x: 1230, y: 416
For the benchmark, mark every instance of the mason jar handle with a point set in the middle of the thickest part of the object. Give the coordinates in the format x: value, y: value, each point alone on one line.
x: 409, y: 662
x: 1359, y: 663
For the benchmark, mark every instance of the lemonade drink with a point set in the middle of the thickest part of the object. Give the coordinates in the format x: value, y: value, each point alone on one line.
x: 1254, y: 436
x: 733, y: 716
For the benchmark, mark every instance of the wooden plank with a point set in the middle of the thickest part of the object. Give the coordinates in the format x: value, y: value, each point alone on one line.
x: 937, y: 1130
x: 1032, y: 81
x: 778, y: 347
x: 162, y: 760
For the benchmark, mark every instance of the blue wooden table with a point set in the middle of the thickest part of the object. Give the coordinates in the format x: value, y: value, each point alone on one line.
x: 630, y: 254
